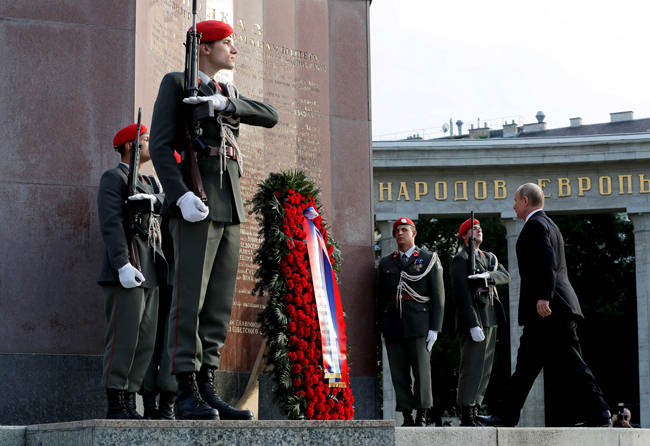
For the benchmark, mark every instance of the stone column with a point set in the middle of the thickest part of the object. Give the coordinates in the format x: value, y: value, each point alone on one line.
x: 387, y: 244
x: 533, y: 412
x: 642, y: 256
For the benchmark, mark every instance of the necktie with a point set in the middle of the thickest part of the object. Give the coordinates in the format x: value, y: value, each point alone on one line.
x: 404, y: 260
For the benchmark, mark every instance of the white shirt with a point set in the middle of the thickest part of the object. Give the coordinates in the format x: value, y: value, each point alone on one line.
x: 531, y: 214
x: 408, y: 253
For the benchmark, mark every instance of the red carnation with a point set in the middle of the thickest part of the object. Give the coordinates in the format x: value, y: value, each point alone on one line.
x: 296, y: 382
x: 286, y: 271
x: 289, y: 284
x: 295, y: 369
x: 276, y: 193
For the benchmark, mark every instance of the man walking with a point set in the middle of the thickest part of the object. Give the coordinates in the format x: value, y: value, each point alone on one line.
x: 206, y: 234
x: 411, y: 299
x: 549, y: 312
x: 478, y: 311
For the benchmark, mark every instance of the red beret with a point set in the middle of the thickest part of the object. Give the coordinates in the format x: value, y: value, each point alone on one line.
x: 402, y: 221
x: 213, y: 30
x: 128, y: 133
x: 465, y: 226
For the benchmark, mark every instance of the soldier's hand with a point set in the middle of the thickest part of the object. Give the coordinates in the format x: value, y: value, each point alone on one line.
x: 137, y: 197
x: 432, y: 335
x: 483, y: 275
x: 477, y: 334
x: 219, y: 101
x: 192, y: 208
x: 130, y: 277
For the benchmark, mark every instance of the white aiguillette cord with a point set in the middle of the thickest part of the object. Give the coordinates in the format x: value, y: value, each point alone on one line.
x: 403, y: 286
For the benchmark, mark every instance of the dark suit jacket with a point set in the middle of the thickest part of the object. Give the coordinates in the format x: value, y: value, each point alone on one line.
x: 480, y: 312
x: 168, y: 134
x: 543, y: 272
x: 416, y: 318
x: 110, y: 205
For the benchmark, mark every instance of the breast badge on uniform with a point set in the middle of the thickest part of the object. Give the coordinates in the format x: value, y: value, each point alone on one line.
x: 418, y: 264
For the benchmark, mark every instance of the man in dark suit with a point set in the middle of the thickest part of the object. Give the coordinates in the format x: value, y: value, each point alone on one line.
x: 478, y: 312
x: 549, y: 311
x: 206, y: 235
x: 411, y: 300
x: 131, y: 294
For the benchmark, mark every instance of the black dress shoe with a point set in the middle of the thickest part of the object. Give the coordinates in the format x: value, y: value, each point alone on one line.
x: 496, y: 420
x: 408, y: 418
x: 205, y: 381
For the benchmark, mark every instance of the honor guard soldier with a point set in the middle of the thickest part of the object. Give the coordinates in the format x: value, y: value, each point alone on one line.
x: 131, y: 291
x: 411, y: 297
x: 478, y: 311
x: 204, y: 221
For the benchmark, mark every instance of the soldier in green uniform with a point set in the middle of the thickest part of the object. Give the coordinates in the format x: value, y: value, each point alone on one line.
x: 477, y: 313
x: 411, y: 298
x: 131, y: 294
x: 206, y: 235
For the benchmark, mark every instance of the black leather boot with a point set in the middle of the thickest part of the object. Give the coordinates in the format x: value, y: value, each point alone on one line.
x: 205, y: 381
x: 150, y: 406
x: 117, y: 409
x: 166, y: 405
x: 408, y: 418
x: 467, y: 416
x: 420, y: 418
x: 189, y: 404
x: 129, y: 397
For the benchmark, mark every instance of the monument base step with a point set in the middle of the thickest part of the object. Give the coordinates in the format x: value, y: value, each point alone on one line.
x: 321, y: 433
x: 211, y: 433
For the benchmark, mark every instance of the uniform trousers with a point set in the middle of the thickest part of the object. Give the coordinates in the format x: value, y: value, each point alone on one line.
x: 159, y: 377
x: 131, y: 316
x: 406, y: 357
x: 551, y: 343
x: 206, y: 256
x: 476, y: 360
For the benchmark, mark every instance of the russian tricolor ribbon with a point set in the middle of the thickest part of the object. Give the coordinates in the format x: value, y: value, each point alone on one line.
x: 328, y: 303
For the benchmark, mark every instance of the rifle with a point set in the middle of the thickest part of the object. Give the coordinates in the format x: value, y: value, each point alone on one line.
x: 198, y: 111
x: 472, y: 249
x: 134, y: 209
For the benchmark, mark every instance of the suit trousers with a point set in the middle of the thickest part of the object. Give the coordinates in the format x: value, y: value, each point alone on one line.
x: 409, y: 357
x: 476, y: 360
x: 552, y: 343
x: 206, y: 256
x: 131, y: 316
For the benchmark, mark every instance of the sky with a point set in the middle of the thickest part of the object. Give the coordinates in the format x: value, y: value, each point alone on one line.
x: 502, y: 60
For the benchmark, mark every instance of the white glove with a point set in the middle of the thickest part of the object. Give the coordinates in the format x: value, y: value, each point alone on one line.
x: 219, y: 101
x: 130, y: 277
x: 483, y: 275
x: 192, y: 208
x: 432, y: 335
x: 151, y: 198
x: 477, y: 334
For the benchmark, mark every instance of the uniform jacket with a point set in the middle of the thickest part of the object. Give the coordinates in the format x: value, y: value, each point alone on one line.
x: 111, y: 197
x: 168, y: 134
x: 416, y: 318
x: 543, y: 271
x: 472, y: 311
